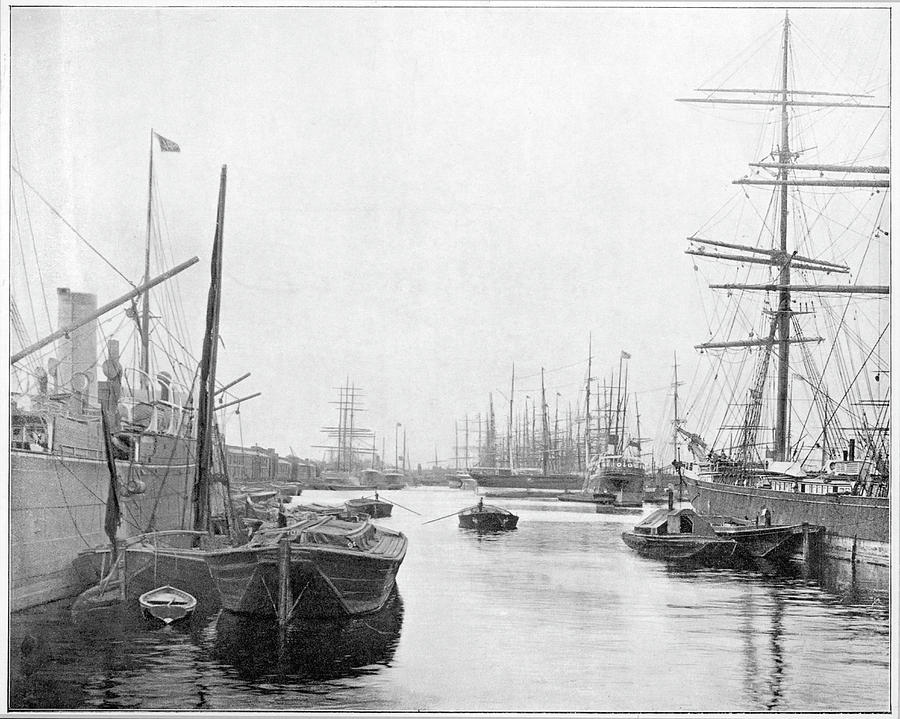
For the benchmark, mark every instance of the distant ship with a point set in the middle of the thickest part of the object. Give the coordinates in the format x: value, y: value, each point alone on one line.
x: 824, y: 457
x: 617, y: 472
x: 350, y: 454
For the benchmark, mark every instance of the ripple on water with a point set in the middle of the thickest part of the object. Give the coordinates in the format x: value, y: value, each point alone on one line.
x: 558, y: 615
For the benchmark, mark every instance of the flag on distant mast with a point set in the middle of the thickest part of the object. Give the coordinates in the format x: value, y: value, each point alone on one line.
x: 625, y: 355
x: 167, y: 145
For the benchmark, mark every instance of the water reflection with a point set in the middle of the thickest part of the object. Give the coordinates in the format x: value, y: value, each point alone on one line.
x: 489, y: 535
x: 311, y: 650
x: 854, y: 582
x: 764, y: 667
x: 561, y: 597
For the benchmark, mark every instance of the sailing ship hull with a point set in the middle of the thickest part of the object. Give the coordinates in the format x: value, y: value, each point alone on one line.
x: 555, y: 482
x: 856, y: 528
x: 57, y: 509
x: 324, y: 582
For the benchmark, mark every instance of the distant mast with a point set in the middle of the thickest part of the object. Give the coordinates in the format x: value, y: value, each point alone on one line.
x: 509, y: 432
x: 545, y: 429
x: 675, y: 423
x: 587, y: 414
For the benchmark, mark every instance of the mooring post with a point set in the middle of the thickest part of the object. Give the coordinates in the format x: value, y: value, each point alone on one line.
x: 284, y: 581
x: 806, y: 547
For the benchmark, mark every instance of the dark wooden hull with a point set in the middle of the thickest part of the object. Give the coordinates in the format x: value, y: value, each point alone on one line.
x: 772, y: 543
x: 171, y: 561
x: 325, y: 581
x: 488, y: 521
x: 375, y: 508
x: 558, y: 482
x: 683, y: 547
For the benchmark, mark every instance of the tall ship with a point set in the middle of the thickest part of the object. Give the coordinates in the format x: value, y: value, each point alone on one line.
x: 799, y: 370
x: 617, y: 472
x: 350, y: 458
x: 59, y: 478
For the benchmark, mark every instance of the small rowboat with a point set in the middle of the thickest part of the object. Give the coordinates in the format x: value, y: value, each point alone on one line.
x: 375, y: 508
x: 167, y: 604
x: 487, y: 518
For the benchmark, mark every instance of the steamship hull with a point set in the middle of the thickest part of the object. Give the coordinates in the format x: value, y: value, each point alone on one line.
x: 856, y: 528
x: 58, y: 505
x: 625, y: 485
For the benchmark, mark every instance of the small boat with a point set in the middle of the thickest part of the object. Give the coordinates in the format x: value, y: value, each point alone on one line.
x: 168, y: 604
x: 486, y: 517
x: 394, y: 480
x: 762, y: 541
x: 677, y: 532
x: 296, y: 512
x: 374, y: 507
x: 680, y: 533
x: 288, y: 489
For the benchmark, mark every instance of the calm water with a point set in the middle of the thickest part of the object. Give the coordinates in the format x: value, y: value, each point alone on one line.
x: 557, y: 615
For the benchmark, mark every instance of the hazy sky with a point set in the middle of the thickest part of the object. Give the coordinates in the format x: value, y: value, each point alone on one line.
x: 418, y: 198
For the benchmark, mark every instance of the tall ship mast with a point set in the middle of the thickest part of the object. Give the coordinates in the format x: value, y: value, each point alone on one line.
x: 803, y: 392
x: 351, y: 446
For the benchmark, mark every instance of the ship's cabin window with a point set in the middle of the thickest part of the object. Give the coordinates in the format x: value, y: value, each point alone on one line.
x: 687, y: 525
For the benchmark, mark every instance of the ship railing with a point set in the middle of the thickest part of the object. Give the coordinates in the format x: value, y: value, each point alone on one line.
x: 144, y: 409
x: 619, y: 463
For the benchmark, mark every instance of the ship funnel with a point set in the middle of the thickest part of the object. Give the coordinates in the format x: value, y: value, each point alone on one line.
x: 77, y: 369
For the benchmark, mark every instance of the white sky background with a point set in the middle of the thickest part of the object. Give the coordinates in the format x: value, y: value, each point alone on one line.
x: 417, y: 198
